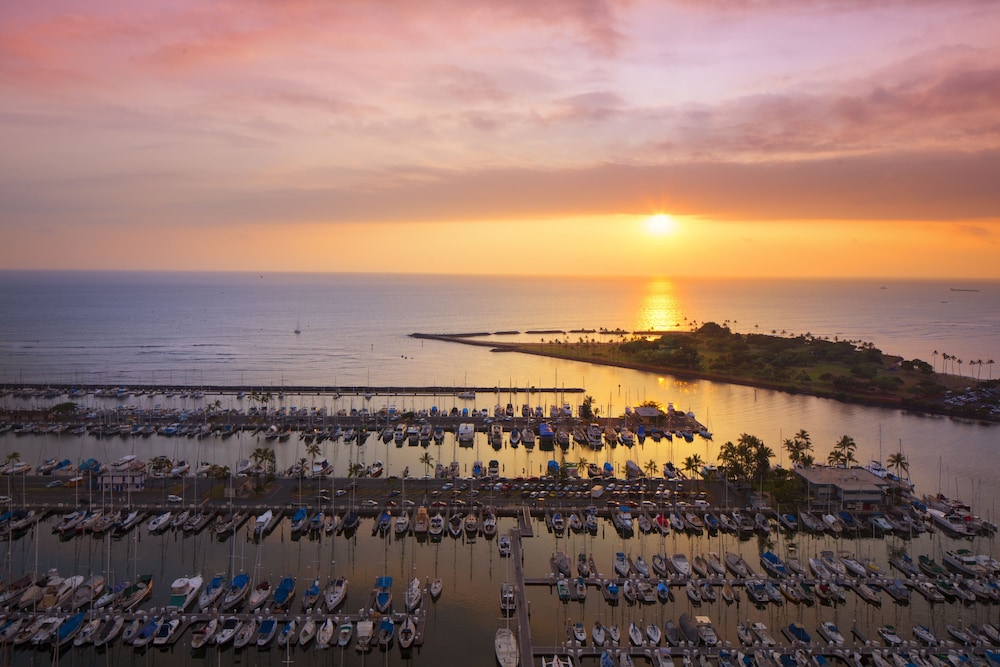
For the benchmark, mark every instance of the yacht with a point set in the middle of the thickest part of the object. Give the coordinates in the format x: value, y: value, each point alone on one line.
x: 183, y: 592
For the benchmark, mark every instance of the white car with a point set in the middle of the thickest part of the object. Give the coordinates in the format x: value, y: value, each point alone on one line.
x: 4, y: 500
x: 174, y: 499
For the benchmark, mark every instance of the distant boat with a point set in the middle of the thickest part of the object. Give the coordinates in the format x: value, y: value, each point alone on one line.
x: 298, y: 330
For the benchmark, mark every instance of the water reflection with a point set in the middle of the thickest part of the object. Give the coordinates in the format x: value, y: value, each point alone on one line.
x: 659, y: 309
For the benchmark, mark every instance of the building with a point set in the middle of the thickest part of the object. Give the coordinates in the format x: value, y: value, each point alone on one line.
x: 122, y: 481
x: 848, y: 488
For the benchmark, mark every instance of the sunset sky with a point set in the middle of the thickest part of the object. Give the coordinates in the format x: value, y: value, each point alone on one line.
x: 683, y: 137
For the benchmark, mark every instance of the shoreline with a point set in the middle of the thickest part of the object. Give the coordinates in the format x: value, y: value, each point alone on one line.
x: 891, y: 402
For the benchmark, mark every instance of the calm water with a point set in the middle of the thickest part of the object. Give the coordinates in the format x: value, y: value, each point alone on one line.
x: 204, y: 329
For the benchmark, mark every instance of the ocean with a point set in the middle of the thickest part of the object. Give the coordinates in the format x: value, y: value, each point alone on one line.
x: 201, y: 330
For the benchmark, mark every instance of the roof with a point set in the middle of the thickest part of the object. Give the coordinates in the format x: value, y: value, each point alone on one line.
x: 647, y: 411
x: 848, y: 479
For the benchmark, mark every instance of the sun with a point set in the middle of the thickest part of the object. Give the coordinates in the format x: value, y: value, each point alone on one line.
x: 660, y: 224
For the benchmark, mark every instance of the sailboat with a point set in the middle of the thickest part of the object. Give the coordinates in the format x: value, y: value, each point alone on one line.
x: 298, y: 329
x: 505, y: 643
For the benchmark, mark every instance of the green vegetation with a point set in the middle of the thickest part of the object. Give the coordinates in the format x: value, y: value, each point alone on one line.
x: 842, y: 369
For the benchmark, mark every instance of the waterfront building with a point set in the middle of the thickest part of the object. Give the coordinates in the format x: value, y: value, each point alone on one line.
x: 848, y: 488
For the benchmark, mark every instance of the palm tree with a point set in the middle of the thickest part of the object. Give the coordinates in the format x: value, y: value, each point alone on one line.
x: 355, y: 470
x: 270, y: 463
x: 427, y: 460
x: 313, y: 450
x: 898, y: 462
x: 846, y: 446
x: 836, y: 458
x: 934, y: 355
x: 651, y: 468
x: 990, y: 362
x: 692, y: 464
x: 13, y: 457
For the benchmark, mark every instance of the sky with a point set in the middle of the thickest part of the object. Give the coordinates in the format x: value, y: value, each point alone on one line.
x: 819, y: 138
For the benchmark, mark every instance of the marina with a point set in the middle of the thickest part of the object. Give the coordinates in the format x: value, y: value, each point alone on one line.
x: 183, y: 420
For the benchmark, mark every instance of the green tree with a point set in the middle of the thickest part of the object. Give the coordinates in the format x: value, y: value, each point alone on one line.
x: 898, y: 462
x: 651, y: 468
x: 693, y: 464
x: 846, y: 446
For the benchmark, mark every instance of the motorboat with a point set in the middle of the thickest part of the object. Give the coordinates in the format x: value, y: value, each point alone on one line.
x: 183, y: 592
x: 227, y: 630
x: 344, y: 634
x: 166, y: 632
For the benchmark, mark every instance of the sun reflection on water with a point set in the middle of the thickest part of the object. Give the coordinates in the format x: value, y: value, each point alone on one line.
x: 660, y: 308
